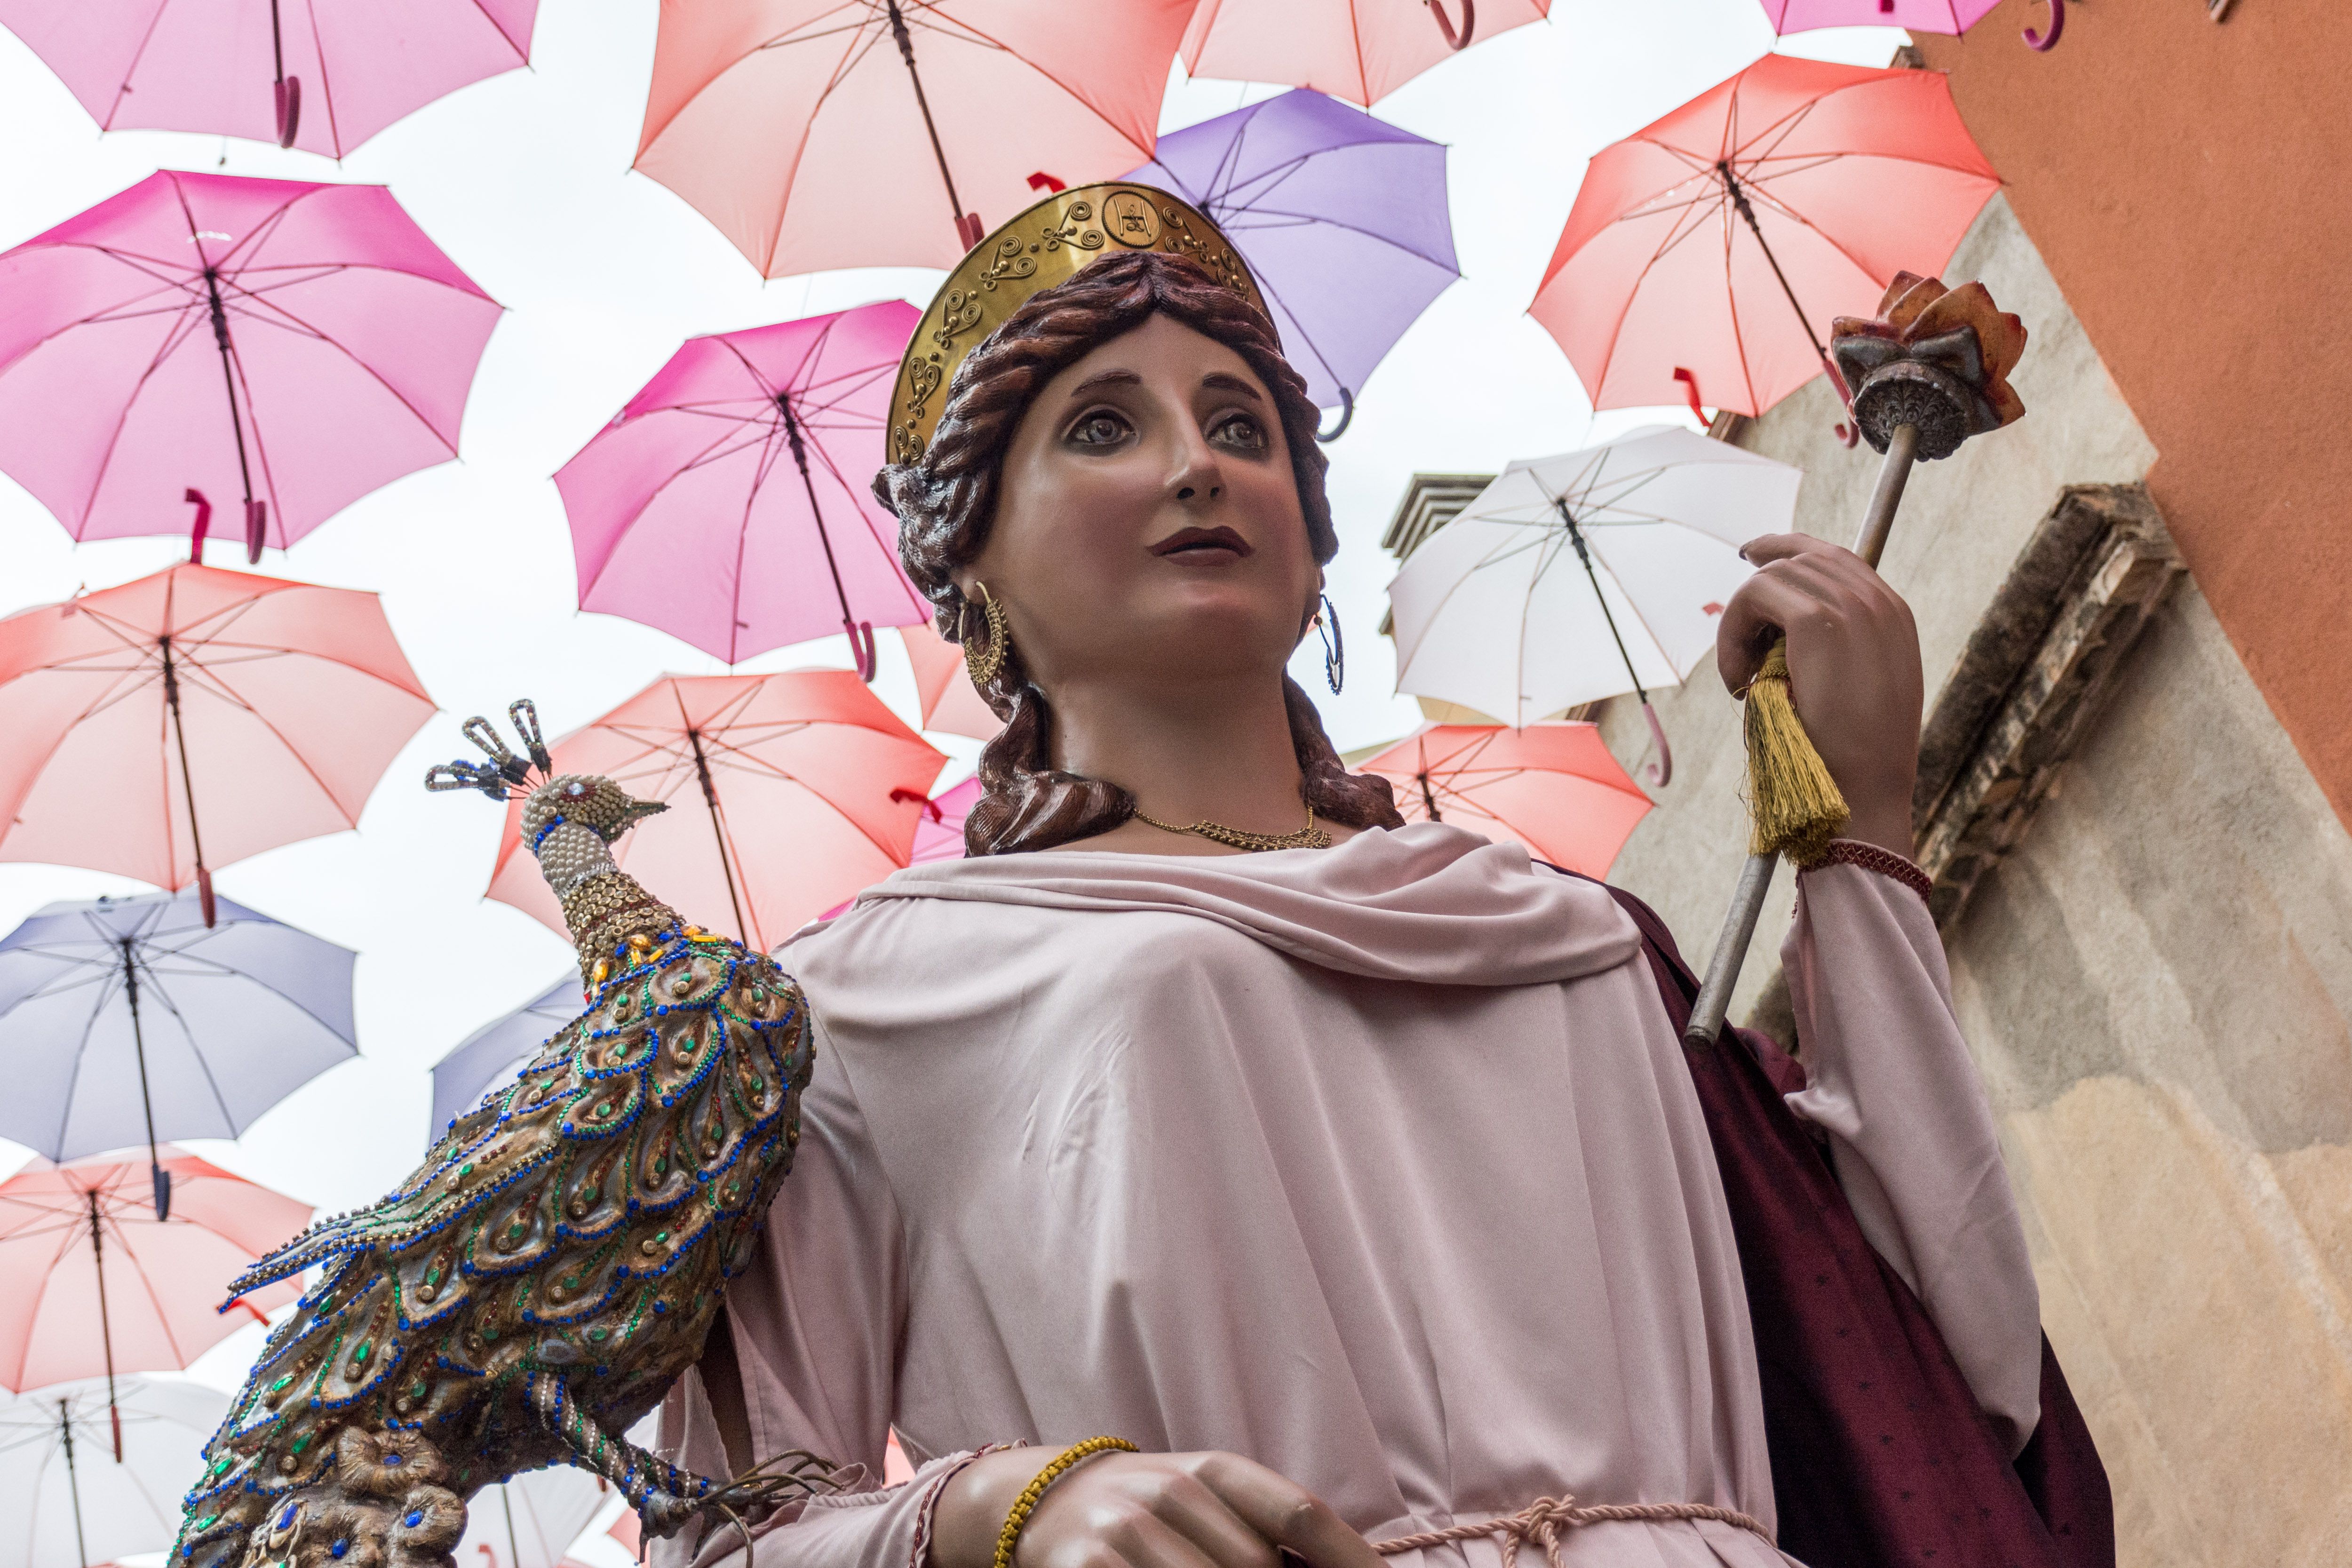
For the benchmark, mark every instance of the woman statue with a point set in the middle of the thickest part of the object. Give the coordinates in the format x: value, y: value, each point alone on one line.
x: 1352, y: 1172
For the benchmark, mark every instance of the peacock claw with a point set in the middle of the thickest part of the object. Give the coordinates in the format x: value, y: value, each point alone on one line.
x: 772, y: 1482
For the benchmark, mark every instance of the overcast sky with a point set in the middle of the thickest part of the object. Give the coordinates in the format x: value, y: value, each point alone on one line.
x: 524, y: 180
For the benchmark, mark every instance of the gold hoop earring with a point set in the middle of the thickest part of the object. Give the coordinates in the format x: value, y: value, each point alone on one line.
x: 984, y: 666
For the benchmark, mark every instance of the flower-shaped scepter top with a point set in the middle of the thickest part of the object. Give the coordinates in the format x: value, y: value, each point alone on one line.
x: 1935, y: 358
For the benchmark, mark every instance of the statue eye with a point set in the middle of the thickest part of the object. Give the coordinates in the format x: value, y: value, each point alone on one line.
x: 1100, y: 428
x: 1240, y: 430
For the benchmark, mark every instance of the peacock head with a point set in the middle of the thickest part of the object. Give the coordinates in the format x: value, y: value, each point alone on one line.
x: 593, y: 801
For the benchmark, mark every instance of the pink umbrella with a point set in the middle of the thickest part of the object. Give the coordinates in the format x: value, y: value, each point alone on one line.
x: 1360, y: 50
x: 1553, y: 787
x: 790, y: 792
x: 274, y: 705
x: 734, y: 491
x: 819, y: 134
x: 949, y: 700
x: 236, y: 68
x: 98, y: 1284
x: 206, y: 334
x: 1953, y: 17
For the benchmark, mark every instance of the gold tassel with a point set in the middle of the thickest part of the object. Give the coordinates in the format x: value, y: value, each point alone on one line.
x: 1795, y: 804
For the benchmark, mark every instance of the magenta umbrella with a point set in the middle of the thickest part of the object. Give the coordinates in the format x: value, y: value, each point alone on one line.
x: 729, y: 503
x: 321, y: 78
x: 206, y: 335
x: 1954, y: 17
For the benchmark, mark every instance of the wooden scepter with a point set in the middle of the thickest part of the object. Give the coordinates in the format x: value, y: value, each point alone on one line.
x: 1930, y: 371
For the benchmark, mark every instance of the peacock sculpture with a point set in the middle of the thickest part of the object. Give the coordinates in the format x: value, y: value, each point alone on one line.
x: 536, y: 1286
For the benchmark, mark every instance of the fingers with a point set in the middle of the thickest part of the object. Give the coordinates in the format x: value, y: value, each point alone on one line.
x: 1284, y: 1513
x: 1808, y: 589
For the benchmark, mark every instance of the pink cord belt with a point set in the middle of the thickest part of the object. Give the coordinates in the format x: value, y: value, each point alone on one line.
x: 1542, y: 1521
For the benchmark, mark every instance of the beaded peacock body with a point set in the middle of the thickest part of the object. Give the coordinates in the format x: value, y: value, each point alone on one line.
x: 537, y: 1284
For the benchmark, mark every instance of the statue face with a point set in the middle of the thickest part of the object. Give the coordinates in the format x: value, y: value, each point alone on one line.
x: 1147, y: 526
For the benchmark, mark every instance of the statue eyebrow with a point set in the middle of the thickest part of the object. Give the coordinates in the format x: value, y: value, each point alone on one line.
x: 1224, y: 383
x: 1107, y: 378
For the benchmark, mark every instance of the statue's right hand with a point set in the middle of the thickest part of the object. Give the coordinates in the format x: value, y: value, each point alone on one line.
x: 1142, y: 1510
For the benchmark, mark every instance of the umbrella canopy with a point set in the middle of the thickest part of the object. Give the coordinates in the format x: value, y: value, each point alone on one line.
x: 790, y: 792
x: 532, y: 1519
x: 949, y: 700
x: 1706, y: 253
x: 941, y: 837
x: 819, y: 134
x: 97, y: 1284
x: 1551, y: 787
x: 1360, y: 50
x: 133, y: 1021
x: 1913, y: 15
x: 321, y: 78
x: 1309, y: 190
x: 1577, y: 577
x: 730, y: 504
x: 497, y: 1051
x: 193, y: 718
x: 64, y: 1496
x: 209, y: 335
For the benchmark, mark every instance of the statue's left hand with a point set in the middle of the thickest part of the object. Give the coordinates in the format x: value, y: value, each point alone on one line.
x: 1854, y: 671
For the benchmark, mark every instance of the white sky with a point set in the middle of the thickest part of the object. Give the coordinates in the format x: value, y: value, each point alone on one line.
x: 524, y: 180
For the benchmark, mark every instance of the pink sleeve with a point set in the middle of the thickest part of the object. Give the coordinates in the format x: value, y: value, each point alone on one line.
x: 1911, y: 1134
x: 815, y: 1320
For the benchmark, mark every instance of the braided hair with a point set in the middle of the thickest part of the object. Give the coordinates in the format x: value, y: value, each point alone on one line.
x: 946, y: 507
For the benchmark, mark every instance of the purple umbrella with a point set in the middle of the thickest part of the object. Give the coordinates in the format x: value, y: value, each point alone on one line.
x: 497, y: 1051
x: 237, y: 67
x: 1310, y: 190
x: 131, y: 1021
x: 294, y: 344
x: 727, y: 504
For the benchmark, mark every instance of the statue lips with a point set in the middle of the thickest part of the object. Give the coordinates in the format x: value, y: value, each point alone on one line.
x: 1220, y: 545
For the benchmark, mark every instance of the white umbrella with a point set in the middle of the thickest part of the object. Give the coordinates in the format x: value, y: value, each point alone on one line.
x: 1577, y: 577
x: 533, y: 1520
x: 63, y: 1498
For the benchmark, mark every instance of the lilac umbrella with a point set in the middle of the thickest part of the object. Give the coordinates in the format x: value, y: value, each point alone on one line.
x: 237, y: 67
x: 727, y: 504
x: 295, y: 344
x: 1310, y: 190
x: 497, y: 1051
x: 131, y: 1021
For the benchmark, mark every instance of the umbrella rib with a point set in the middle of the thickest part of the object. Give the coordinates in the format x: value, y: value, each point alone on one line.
x: 122, y: 418
x: 1072, y: 92
x: 331, y: 340
x: 211, y: 1083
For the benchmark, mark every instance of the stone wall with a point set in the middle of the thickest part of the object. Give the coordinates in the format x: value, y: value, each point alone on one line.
x: 2157, y: 979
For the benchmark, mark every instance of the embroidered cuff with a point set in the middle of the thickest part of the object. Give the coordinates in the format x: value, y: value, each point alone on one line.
x: 1885, y: 862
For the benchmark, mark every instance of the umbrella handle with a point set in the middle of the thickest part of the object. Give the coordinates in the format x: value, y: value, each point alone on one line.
x: 1457, y: 42
x: 257, y: 528
x: 2045, y: 42
x: 1346, y: 413
x: 195, y: 498
x: 861, y: 647
x: 1662, y: 772
x: 289, y: 94
x: 205, y: 898
x: 1690, y: 389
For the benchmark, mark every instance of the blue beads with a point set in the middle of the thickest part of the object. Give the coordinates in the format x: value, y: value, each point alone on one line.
x: 416, y: 1516
x: 286, y: 1519
x: 338, y: 1548
x: 395, y: 1459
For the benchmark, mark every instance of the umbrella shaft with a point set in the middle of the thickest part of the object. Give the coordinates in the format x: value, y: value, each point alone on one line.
x: 906, y: 53
x: 1739, y: 200
x: 105, y: 1328
x: 73, y: 1481
x: 180, y: 737
x: 139, y: 1043
x: 1584, y: 553
x: 719, y: 831
x: 816, y: 514
x: 229, y: 378
x: 1714, y: 998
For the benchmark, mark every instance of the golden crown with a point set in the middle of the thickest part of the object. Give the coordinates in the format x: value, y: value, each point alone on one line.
x: 1048, y: 244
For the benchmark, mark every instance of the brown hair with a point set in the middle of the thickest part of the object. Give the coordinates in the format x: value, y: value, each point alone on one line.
x: 946, y: 506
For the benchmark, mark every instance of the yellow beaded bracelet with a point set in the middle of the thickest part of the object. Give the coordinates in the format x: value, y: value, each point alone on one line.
x: 1026, y: 1504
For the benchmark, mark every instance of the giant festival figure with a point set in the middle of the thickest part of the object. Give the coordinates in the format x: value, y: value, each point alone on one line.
x: 1211, y: 1169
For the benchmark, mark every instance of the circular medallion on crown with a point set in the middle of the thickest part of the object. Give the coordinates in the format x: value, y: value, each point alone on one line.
x: 1128, y: 218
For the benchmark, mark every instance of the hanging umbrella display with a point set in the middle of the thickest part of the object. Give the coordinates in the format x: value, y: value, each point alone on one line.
x: 133, y: 1021
x: 68, y: 1498
x: 532, y: 1520
x: 98, y: 1284
x: 210, y: 336
x: 172, y: 725
x: 729, y: 503
x: 792, y: 792
x: 321, y: 78
x: 1552, y: 787
x: 949, y: 702
x: 1360, y: 50
x: 1577, y: 577
x: 820, y: 134
x: 1707, y: 252
x: 497, y: 1051
x: 1953, y: 17
x: 1309, y: 190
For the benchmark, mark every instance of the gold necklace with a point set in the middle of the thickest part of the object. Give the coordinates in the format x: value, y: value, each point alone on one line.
x: 1307, y: 837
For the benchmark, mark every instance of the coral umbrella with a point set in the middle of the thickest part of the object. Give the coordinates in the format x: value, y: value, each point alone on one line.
x: 497, y: 1051
x: 729, y: 503
x: 939, y: 832
x: 61, y: 1507
x: 819, y: 134
x: 170, y: 726
x: 792, y: 792
x: 133, y: 1020
x: 1706, y: 253
x: 1360, y: 50
x: 209, y: 335
x: 1309, y: 190
x: 1552, y: 787
x: 98, y: 1284
x: 321, y: 78
x: 951, y: 702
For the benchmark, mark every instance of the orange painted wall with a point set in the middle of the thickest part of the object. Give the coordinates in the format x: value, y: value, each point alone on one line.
x: 2189, y: 184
